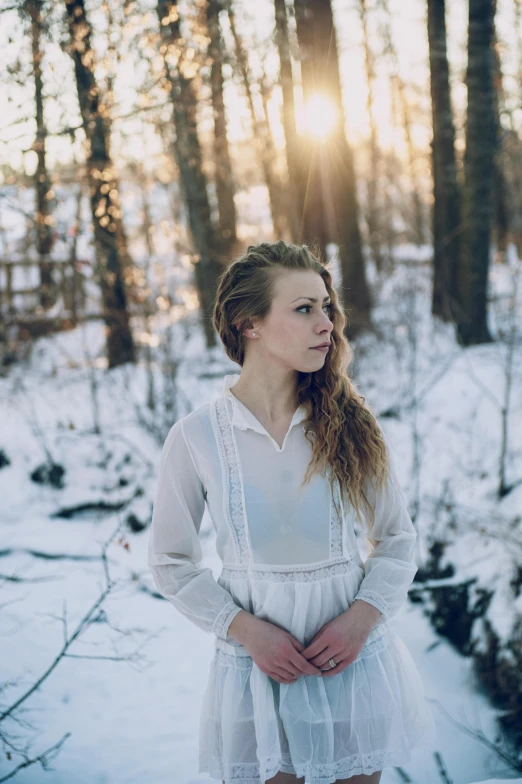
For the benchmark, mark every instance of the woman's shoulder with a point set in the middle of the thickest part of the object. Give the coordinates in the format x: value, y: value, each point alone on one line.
x: 193, y: 418
x: 186, y: 438
x: 193, y: 427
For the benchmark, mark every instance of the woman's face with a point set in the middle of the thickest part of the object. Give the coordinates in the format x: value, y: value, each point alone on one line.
x: 298, y: 321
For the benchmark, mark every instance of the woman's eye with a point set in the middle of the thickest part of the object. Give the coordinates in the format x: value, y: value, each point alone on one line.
x: 328, y: 308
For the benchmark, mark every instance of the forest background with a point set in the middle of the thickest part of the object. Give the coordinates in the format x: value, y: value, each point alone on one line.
x: 143, y: 146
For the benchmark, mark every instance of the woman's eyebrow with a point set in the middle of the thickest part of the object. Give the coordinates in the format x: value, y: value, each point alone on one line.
x: 312, y: 299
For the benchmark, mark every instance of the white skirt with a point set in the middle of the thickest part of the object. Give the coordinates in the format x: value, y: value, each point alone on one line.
x: 368, y: 717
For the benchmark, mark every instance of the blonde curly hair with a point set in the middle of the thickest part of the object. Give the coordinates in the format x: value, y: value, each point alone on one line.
x: 344, y: 433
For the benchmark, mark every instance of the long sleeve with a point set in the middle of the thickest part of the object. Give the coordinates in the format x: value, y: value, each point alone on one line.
x: 174, y: 549
x: 389, y: 568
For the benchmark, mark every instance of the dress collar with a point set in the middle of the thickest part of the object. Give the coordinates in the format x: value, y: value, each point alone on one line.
x: 242, y: 417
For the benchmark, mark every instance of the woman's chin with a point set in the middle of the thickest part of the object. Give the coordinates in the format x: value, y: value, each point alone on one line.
x: 310, y: 367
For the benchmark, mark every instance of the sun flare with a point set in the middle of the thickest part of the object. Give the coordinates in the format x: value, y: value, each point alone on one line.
x: 320, y: 116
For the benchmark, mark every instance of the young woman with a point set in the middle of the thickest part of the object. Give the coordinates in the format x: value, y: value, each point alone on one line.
x: 308, y: 681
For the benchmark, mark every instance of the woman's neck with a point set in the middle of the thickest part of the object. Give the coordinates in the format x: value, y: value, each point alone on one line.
x: 272, y: 396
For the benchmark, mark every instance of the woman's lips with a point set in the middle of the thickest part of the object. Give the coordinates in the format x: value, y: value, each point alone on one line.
x: 324, y: 349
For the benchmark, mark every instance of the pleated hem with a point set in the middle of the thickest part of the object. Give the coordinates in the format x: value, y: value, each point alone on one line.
x: 354, y: 765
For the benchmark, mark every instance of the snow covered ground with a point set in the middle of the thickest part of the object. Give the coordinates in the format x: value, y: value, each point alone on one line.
x: 129, y: 688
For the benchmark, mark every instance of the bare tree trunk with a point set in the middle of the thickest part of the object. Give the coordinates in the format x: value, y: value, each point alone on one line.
x: 393, y: 195
x: 76, y: 290
x: 518, y: 29
x: 373, y: 207
x: 284, y: 216
x: 289, y: 122
x: 446, y: 206
x: 419, y: 226
x: 262, y: 135
x: 77, y: 287
x: 500, y: 207
x: 472, y: 327
x: 419, y: 230
x: 512, y: 341
x: 500, y: 195
x: 207, y: 244
x: 105, y: 205
x: 225, y: 187
x: 149, y: 299
x: 42, y: 183
x: 313, y: 219
x: 391, y: 188
x: 114, y: 28
x: 177, y: 204
x: 330, y: 209
x: 513, y: 150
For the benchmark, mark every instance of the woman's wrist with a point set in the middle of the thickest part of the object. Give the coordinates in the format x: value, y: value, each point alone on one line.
x: 239, y: 626
x: 368, y: 611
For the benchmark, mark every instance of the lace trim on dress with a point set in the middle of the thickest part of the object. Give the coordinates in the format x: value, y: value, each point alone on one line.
x: 336, y: 523
x: 373, y: 598
x: 225, y: 618
x: 248, y: 773
x: 232, y: 490
x: 282, y: 573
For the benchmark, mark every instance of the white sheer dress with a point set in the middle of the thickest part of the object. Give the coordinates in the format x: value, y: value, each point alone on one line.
x: 289, y: 559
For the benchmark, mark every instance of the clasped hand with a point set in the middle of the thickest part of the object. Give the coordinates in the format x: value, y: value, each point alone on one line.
x: 341, y: 639
x: 284, y: 658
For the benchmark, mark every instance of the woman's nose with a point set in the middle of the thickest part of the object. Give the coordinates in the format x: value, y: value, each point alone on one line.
x: 328, y: 323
